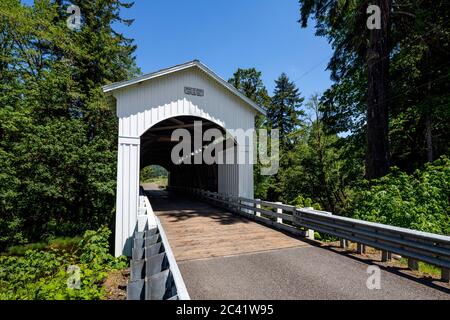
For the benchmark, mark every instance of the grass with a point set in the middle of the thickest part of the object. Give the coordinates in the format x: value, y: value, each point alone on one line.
x: 161, y: 182
x: 67, y: 243
x: 424, y: 268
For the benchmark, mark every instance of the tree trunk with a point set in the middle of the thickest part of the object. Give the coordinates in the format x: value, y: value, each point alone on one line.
x: 377, y: 158
x: 429, y: 112
x: 429, y: 136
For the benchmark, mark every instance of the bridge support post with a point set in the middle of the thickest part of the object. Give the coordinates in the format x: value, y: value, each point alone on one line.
x: 385, y: 256
x: 279, y: 220
x: 413, y: 264
x: 258, y: 206
x: 361, y: 248
x: 445, y: 275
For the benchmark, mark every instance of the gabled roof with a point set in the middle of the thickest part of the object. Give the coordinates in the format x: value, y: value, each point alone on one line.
x: 195, y: 63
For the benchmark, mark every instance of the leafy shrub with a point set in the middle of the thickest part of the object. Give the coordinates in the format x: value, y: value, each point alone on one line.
x: 302, y: 202
x: 43, y: 274
x: 418, y: 201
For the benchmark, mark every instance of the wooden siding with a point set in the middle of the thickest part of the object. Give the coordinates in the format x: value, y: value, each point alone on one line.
x: 142, y: 105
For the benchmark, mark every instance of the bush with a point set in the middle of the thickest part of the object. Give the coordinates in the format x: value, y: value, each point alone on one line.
x: 43, y: 274
x: 302, y: 202
x: 418, y: 201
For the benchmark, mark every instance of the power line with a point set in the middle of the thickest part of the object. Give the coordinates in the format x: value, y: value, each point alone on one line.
x: 310, y: 70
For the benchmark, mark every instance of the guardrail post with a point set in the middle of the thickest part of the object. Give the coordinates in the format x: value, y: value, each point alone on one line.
x: 385, y: 256
x: 279, y: 220
x: 361, y: 248
x: 237, y: 205
x: 413, y: 264
x: 310, y: 231
x: 344, y: 243
x: 225, y: 198
x: 233, y: 203
x: 258, y: 206
x: 445, y: 275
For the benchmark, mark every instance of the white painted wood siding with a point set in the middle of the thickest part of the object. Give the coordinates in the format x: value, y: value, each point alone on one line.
x: 141, y: 106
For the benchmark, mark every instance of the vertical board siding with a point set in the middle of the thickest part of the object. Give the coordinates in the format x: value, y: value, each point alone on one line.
x: 127, y: 196
x: 141, y: 106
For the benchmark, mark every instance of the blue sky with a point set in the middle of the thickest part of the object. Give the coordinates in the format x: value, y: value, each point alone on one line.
x: 230, y: 34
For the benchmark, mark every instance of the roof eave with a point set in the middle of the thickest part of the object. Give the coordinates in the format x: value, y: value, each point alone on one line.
x: 108, y: 89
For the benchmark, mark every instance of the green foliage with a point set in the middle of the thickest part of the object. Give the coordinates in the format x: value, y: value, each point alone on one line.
x: 420, y: 93
x: 302, y: 202
x: 43, y: 273
x: 424, y: 267
x: 412, y: 196
x: 249, y: 82
x: 149, y: 173
x: 57, y: 130
x: 66, y: 243
x: 284, y: 114
x: 418, y: 201
x: 284, y: 111
x: 317, y: 166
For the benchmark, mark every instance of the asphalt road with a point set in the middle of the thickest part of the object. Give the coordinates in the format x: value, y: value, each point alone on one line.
x: 297, y: 273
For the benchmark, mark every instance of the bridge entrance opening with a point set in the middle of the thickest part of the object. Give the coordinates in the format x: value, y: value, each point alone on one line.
x: 154, y: 174
x: 186, y: 164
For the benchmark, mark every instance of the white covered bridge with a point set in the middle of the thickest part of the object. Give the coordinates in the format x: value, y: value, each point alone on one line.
x: 150, y: 108
x: 229, y: 245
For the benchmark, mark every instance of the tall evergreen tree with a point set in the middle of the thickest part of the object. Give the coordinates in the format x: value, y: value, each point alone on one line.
x: 378, y: 95
x: 283, y: 114
x: 58, y: 132
x: 284, y: 111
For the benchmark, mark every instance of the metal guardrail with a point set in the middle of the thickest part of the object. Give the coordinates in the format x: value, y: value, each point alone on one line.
x: 411, y: 244
x: 154, y: 270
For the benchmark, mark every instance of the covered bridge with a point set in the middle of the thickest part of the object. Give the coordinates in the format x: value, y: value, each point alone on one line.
x: 150, y: 108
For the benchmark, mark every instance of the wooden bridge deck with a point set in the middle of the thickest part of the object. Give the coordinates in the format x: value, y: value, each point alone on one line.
x: 197, y: 230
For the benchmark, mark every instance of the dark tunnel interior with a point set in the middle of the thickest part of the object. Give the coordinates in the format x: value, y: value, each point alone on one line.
x: 157, y: 145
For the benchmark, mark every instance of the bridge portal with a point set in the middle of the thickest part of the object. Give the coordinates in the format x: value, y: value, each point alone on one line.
x: 150, y: 108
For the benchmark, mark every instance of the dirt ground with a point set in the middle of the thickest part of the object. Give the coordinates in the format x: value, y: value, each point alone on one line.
x: 116, y: 285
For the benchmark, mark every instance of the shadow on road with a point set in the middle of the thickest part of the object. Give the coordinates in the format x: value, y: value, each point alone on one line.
x: 181, y: 208
x: 386, y: 266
